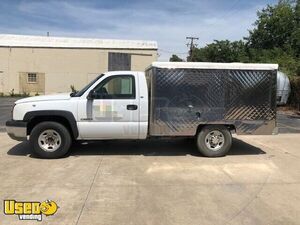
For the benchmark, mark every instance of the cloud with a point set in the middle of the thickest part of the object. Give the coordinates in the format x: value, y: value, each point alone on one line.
x: 168, y: 22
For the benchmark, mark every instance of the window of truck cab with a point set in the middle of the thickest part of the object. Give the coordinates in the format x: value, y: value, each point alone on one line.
x: 116, y: 87
x: 83, y: 90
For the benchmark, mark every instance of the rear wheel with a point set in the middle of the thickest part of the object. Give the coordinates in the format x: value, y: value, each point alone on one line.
x: 214, y: 141
x: 50, y: 139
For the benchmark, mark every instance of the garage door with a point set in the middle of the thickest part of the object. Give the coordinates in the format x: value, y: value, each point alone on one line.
x: 119, y: 61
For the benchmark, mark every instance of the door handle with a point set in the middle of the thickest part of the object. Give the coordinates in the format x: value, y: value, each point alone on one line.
x: 132, y: 107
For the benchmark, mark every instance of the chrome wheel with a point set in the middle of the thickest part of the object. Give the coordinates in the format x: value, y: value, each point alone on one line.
x: 214, y: 140
x: 49, y: 140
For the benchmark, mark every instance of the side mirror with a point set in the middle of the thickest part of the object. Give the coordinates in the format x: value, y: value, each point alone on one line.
x: 91, y: 95
x: 102, y: 93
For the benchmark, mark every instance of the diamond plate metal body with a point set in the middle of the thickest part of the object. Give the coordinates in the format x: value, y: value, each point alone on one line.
x: 183, y: 99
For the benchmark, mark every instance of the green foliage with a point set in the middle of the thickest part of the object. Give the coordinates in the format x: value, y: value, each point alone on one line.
x: 221, y: 51
x: 288, y: 63
x: 276, y: 36
x: 274, y: 27
x: 175, y: 58
x: 294, y: 98
x: 295, y: 38
x: 24, y: 94
x: 13, y: 94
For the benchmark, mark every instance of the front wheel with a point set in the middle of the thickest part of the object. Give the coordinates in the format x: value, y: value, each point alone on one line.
x: 50, y: 140
x: 214, y: 141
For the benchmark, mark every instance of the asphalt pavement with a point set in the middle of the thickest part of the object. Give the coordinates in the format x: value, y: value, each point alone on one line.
x: 6, y: 105
x: 288, y: 123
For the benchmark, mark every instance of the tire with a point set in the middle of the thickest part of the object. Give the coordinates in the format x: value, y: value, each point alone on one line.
x: 219, y: 139
x: 50, y: 140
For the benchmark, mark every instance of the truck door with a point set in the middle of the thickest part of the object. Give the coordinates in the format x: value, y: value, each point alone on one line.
x: 113, y: 111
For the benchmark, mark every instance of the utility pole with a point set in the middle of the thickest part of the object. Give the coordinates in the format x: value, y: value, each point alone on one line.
x: 192, y: 46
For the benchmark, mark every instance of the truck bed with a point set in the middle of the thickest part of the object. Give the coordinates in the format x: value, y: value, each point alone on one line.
x: 181, y: 99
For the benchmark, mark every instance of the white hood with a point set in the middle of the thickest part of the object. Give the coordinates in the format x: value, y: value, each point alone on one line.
x: 63, y: 96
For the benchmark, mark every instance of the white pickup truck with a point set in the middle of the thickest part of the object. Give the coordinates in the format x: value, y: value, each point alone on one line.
x: 207, y: 101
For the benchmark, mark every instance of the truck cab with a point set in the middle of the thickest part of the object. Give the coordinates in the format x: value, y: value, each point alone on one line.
x: 116, y: 105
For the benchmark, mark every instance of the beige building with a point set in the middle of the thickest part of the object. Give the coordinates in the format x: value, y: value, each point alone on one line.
x: 36, y: 64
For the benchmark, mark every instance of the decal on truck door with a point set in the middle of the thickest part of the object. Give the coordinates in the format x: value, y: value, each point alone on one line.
x: 105, y: 112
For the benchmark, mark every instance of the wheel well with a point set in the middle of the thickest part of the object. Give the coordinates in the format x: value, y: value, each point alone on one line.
x: 230, y: 127
x: 59, y: 119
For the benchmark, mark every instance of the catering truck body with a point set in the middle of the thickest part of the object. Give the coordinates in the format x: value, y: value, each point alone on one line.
x: 207, y: 101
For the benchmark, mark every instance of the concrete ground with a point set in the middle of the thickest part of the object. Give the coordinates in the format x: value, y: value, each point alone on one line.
x: 158, y: 182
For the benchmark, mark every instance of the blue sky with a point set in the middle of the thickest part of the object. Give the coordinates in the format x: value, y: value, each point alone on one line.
x: 167, y: 22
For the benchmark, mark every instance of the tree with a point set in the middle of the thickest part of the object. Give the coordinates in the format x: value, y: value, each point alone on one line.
x: 222, y: 51
x: 296, y: 33
x: 175, y: 58
x: 274, y: 27
x: 287, y: 62
x: 276, y: 36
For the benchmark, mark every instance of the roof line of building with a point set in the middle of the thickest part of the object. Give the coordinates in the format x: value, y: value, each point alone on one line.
x: 8, y: 40
x: 78, y: 48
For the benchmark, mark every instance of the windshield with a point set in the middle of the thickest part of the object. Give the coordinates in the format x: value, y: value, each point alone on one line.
x: 81, y: 92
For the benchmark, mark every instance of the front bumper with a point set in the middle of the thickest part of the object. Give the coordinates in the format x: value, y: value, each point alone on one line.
x: 16, y: 130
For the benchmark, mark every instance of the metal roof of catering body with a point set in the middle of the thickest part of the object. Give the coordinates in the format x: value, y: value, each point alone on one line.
x: 8, y: 40
x: 209, y: 65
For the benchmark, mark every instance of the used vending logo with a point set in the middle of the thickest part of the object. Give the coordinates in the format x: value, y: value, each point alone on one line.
x: 30, y: 210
